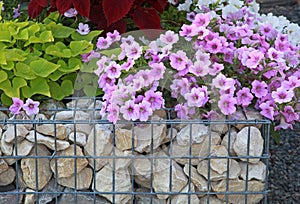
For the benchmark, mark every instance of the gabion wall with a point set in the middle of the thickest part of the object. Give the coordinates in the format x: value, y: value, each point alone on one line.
x: 70, y: 155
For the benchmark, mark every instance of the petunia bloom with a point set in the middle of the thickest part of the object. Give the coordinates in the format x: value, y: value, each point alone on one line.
x: 16, y: 106
x: 227, y: 104
x: 31, y: 107
x: 83, y: 29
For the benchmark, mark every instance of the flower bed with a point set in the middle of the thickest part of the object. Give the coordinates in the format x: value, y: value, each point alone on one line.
x: 64, y: 154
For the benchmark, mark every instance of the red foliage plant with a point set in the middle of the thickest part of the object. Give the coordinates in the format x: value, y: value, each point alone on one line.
x: 107, y: 14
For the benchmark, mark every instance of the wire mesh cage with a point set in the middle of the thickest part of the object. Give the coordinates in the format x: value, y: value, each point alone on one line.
x: 70, y: 155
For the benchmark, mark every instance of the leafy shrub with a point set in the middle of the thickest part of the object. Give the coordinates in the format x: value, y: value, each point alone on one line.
x: 108, y: 15
x: 40, y: 58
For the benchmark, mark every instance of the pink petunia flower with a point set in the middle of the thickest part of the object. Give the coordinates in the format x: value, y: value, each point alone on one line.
x: 282, y: 95
x: 197, y: 97
x: 169, y: 37
x: 289, y: 114
x: 227, y: 104
x: 83, y: 29
x: 244, y: 97
x: 31, y: 107
x: 143, y: 110
x: 202, y: 19
x: 259, y: 89
x: 267, y: 110
x: 103, y: 43
x: 155, y: 99
x: 178, y: 60
x: 129, y: 110
x: 72, y: 12
x: 182, y: 111
x: 113, y: 37
x: 113, y: 70
x: 16, y: 106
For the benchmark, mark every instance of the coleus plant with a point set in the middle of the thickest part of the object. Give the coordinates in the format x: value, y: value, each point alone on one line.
x: 108, y: 15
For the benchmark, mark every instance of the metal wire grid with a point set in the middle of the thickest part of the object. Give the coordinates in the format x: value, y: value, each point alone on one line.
x: 151, y: 193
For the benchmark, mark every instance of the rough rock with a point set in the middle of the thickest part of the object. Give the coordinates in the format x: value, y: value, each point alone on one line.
x: 143, y: 134
x: 198, y: 180
x: 124, y: 139
x: 47, y: 141
x: 80, y: 138
x: 98, y: 144
x: 71, y: 115
x: 11, y: 197
x: 81, y: 103
x: 256, y: 144
x: 19, y: 132
x: 254, y: 115
x: 95, y: 106
x: 120, y: 163
x: 29, y: 196
x: 50, y: 106
x: 212, y: 200
x: 104, y: 181
x: 7, y: 177
x: 67, y: 197
x: 238, y: 186
x: 55, y: 130
x: 145, y: 198
x: 234, y: 171
x: 22, y: 116
x: 6, y: 148
x: 43, y: 174
x: 23, y: 148
x: 65, y: 166
x: 255, y: 171
x: 50, y: 187
x: 142, y: 171
x: 83, y: 180
x: 194, y: 133
x: 182, y: 198
x: 198, y: 149
x: 161, y: 176
x: 171, y: 135
x: 226, y: 141
x: 219, y: 165
x: 3, y: 166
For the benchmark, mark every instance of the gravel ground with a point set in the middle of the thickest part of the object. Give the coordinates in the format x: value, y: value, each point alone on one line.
x: 284, y: 166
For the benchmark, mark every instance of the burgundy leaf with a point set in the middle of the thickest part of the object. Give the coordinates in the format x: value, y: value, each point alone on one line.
x: 34, y: 9
x: 115, y: 10
x: 159, y: 5
x: 146, y: 18
x: 63, y: 5
x: 119, y: 26
x: 43, y: 3
x: 82, y: 6
x: 96, y: 14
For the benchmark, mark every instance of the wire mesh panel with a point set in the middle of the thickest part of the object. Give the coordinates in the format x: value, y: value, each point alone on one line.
x: 70, y: 155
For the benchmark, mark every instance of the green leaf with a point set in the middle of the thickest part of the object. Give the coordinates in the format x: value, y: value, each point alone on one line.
x: 59, y: 50
x: 23, y: 35
x: 80, y: 47
x: 3, y: 76
x: 2, y: 58
x: 13, y: 89
x: 15, y: 54
x: 8, y: 66
x: 275, y: 134
x: 59, y: 92
x: 43, y: 68
x: 5, y: 36
x: 73, y: 65
x: 7, y: 101
x: 89, y: 37
x: 23, y: 70
x: 89, y: 67
x: 52, y: 17
x: 46, y: 36
x: 37, y: 86
x: 60, y: 31
x: 56, y: 75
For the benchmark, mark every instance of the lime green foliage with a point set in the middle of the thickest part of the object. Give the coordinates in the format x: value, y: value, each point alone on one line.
x: 40, y: 58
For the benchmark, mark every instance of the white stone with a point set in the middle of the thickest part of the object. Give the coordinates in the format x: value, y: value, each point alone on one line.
x: 47, y: 141
x: 142, y: 171
x: 99, y: 144
x: 118, y: 163
x: 144, y: 135
x: 83, y: 180
x: 80, y: 103
x: 194, y: 133
x: 80, y: 138
x: 23, y: 148
x: 212, y: 200
x: 65, y: 166
x: 239, y: 186
x: 198, y: 180
x: 104, y: 181
x: 57, y: 130
x: 234, y: 171
x: 200, y: 150
x: 123, y: 139
x: 3, y: 166
x: 219, y: 165
x: 43, y: 174
x: 226, y: 141
x: 256, y: 143
x: 71, y: 115
x: 255, y: 171
x: 182, y: 198
x: 29, y: 196
x: 19, y: 132
x: 161, y: 176
x: 7, y: 177
x: 6, y: 148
